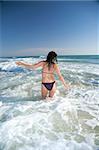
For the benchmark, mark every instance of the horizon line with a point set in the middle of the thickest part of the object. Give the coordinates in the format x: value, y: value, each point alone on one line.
x: 46, y: 55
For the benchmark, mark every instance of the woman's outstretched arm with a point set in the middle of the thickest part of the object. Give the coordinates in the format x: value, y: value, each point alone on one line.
x: 30, y: 66
x: 61, y: 77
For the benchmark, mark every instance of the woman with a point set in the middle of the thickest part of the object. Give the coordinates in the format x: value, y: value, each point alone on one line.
x: 49, y: 67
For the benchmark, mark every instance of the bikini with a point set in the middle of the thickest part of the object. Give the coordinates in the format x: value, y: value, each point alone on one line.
x: 48, y: 86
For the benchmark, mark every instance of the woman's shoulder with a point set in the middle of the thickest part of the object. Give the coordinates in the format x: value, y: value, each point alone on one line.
x: 55, y: 65
x: 44, y: 63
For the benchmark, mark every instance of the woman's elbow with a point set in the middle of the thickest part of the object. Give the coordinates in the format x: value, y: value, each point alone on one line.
x: 60, y: 77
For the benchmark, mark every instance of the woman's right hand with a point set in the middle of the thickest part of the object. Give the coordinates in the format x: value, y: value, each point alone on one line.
x: 68, y: 86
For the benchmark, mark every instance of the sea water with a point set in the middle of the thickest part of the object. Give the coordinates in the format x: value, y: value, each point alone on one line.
x: 68, y: 121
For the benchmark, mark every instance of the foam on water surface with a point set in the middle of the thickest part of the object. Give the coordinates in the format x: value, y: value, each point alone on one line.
x: 68, y: 121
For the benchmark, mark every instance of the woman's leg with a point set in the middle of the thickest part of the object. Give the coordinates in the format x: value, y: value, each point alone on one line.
x: 52, y: 92
x: 44, y: 91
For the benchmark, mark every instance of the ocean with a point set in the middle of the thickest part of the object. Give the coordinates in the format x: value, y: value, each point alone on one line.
x: 69, y: 121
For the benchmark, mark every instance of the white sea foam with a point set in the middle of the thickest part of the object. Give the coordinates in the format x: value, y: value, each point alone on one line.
x: 68, y: 121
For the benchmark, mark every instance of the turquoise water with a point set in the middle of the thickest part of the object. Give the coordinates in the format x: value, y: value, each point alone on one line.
x: 68, y: 121
x: 68, y: 58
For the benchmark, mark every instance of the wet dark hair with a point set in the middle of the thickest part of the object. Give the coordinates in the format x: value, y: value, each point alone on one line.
x: 51, y: 58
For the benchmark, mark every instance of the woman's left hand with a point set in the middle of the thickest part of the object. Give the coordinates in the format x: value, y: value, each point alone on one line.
x: 18, y: 63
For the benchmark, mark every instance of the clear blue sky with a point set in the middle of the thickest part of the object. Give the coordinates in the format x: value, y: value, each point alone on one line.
x: 36, y: 27
x: 98, y: 29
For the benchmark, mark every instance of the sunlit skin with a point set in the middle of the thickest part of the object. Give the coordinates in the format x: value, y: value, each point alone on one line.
x: 46, y: 78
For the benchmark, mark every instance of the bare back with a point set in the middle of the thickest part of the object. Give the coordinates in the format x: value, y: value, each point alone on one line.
x: 48, y: 75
